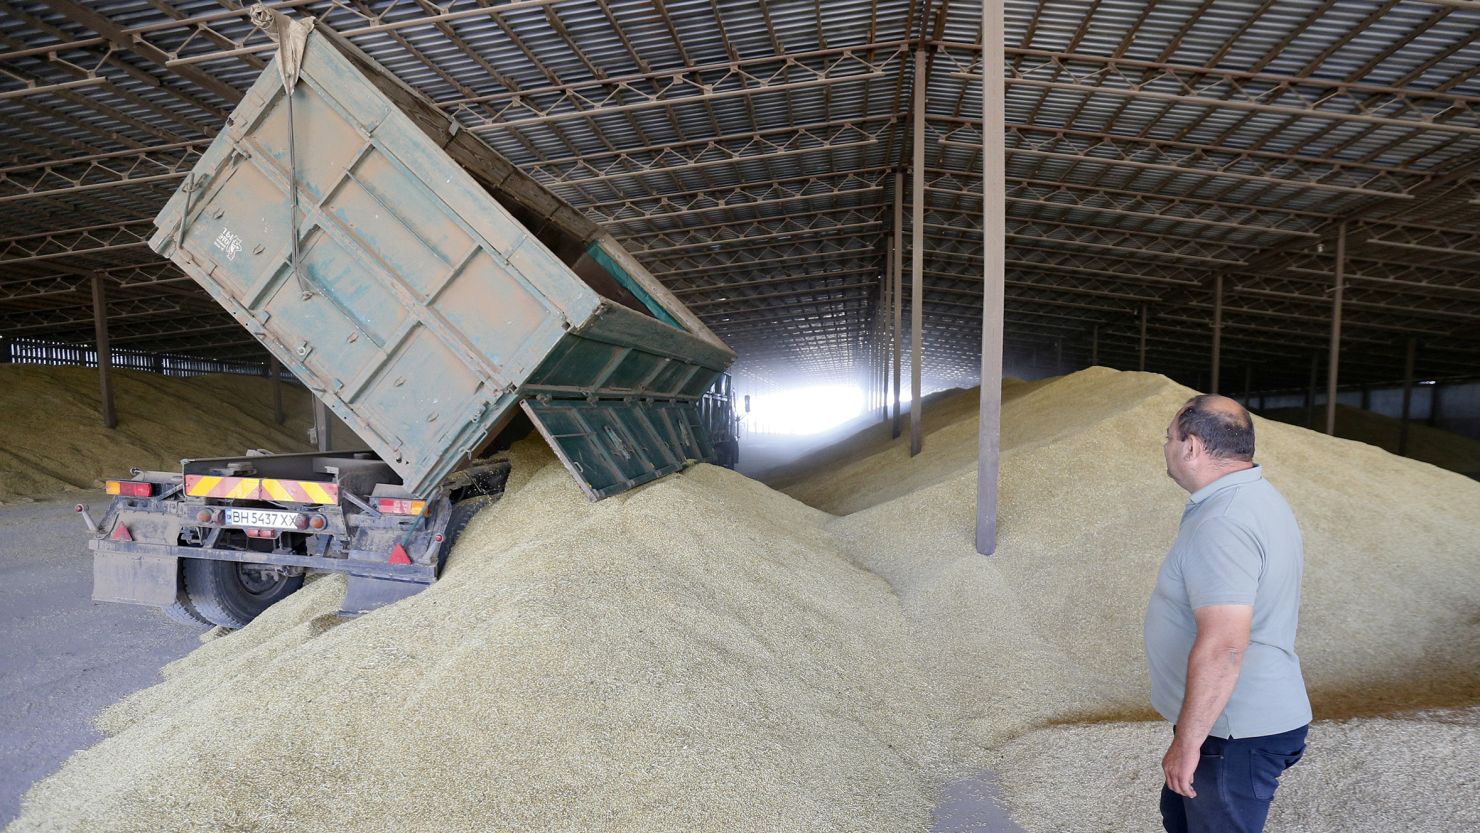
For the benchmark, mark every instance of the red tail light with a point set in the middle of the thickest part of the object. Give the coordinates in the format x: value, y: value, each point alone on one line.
x: 399, y: 506
x: 129, y: 488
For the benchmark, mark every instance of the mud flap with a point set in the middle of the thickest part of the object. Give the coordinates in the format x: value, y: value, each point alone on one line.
x: 363, y: 594
x: 610, y: 446
x: 135, y: 579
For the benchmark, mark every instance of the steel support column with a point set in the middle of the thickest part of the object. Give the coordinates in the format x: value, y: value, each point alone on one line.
x: 896, y: 265
x: 1409, y: 361
x: 886, y: 302
x: 105, y: 355
x: 275, y: 373
x: 917, y: 256
x: 1333, y: 364
x: 322, y: 423
x: 1214, y: 386
x: 1094, y: 345
x: 1145, y: 313
x: 1310, y: 392
x: 994, y: 255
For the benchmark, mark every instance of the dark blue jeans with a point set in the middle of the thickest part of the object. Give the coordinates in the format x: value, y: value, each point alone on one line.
x: 1235, y: 783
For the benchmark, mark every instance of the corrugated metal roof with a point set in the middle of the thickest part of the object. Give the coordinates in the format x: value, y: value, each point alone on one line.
x: 746, y: 152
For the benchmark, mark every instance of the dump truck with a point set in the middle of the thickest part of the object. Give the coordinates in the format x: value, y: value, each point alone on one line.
x: 439, y: 302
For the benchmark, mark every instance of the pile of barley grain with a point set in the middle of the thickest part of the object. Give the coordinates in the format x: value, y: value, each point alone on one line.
x: 870, y: 467
x: 1444, y: 449
x: 705, y: 653
x: 1048, y: 630
x: 1418, y: 771
x: 55, y: 440
x: 695, y: 655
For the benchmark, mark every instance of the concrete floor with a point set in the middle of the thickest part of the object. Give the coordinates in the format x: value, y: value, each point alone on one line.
x: 63, y: 657
x: 972, y: 805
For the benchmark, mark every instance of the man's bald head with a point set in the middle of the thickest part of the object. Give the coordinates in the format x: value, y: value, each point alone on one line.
x: 1222, y: 425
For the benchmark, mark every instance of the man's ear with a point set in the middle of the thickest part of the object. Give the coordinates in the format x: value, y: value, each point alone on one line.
x: 1194, y: 446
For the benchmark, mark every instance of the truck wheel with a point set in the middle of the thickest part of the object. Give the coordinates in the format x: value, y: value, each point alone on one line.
x: 182, y: 611
x: 231, y: 593
x: 462, y: 512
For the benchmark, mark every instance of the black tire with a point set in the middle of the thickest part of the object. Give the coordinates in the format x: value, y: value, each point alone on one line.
x: 229, y: 593
x: 462, y: 513
x: 183, y: 612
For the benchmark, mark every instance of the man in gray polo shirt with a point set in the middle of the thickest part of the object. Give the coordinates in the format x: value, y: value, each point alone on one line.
x: 1220, y: 629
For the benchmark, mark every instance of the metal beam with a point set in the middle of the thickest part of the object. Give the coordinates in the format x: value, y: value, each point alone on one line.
x: 1215, y: 387
x: 1333, y: 366
x: 896, y: 258
x: 994, y: 250
x: 275, y: 373
x: 917, y: 253
x: 1310, y: 392
x: 120, y: 39
x: 105, y: 355
x: 1141, y: 362
x: 321, y: 424
x: 1239, y: 90
x: 1409, y: 360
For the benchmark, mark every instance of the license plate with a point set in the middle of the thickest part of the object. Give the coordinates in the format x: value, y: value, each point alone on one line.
x: 261, y: 519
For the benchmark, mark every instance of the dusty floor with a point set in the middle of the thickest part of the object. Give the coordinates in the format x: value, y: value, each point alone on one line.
x: 63, y: 657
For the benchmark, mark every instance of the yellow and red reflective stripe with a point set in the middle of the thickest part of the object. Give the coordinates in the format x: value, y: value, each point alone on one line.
x: 277, y: 490
x: 320, y: 492
x: 253, y: 488
x: 300, y: 491
x: 210, y: 485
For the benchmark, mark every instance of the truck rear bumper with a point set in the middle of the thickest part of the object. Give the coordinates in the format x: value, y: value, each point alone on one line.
x: 359, y: 563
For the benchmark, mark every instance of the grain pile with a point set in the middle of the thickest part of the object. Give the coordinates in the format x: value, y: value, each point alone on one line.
x: 871, y: 467
x: 1409, y: 772
x: 696, y: 655
x: 941, y: 409
x: 56, y: 442
x: 1048, y: 631
x: 708, y: 654
x: 1444, y: 449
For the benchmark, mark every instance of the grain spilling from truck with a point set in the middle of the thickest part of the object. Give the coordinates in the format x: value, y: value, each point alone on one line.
x: 694, y: 655
x: 432, y: 296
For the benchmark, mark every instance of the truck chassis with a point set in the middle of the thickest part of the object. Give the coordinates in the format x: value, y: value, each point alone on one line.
x: 183, y: 541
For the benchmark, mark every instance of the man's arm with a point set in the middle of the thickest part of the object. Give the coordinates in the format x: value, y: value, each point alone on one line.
x: 1212, y: 669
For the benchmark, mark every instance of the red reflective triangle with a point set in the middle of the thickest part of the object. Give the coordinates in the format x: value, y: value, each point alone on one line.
x: 399, y: 556
x: 120, y: 533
